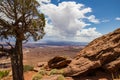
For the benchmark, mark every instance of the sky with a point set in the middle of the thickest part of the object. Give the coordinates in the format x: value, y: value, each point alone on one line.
x: 79, y: 20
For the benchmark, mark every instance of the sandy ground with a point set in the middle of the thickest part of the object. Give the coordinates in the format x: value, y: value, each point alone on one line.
x: 99, y: 76
x: 43, y: 54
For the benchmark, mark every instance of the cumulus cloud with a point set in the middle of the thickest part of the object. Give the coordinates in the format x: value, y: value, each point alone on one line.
x: 90, y: 32
x: 66, y: 21
x: 117, y: 18
x: 87, y: 34
x: 93, y: 19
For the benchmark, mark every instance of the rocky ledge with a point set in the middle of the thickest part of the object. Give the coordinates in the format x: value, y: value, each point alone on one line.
x: 103, y: 52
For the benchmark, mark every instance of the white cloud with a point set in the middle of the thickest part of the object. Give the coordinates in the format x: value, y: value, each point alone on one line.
x: 93, y: 19
x: 90, y: 32
x: 117, y: 18
x: 67, y: 20
x: 87, y: 34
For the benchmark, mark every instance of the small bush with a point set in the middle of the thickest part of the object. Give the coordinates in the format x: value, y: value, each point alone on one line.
x: 42, y: 72
x: 3, y: 74
x: 61, y: 77
x: 42, y: 68
x: 53, y: 71
x: 37, y: 77
x: 27, y: 68
x: 56, y: 71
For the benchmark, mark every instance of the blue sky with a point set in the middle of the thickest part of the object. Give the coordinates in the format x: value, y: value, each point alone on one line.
x: 103, y: 10
x: 80, y: 20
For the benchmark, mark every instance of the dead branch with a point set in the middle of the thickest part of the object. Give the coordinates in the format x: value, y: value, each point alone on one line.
x: 4, y: 50
x: 9, y: 44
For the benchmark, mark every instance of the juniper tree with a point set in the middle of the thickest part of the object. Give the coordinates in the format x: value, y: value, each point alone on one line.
x: 20, y: 20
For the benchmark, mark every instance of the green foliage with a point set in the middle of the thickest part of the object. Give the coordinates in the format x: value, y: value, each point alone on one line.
x: 3, y: 74
x: 56, y: 71
x: 42, y: 72
x: 61, y: 77
x: 1, y: 1
x: 42, y: 68
x: 53, y: 71
x: 27, y: 68
x: 23, y: 16
x: 21, y: 21
x: 37, y: 77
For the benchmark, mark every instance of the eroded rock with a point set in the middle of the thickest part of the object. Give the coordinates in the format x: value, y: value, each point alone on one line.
x: 58, y: 62
x: 103, y: 52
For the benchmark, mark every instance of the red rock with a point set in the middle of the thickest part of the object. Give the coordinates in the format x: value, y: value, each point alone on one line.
x: 103, y: 52
x: 58, y: 62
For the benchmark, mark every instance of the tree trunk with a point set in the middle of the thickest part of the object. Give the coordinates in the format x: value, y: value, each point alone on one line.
x: 17, y: 61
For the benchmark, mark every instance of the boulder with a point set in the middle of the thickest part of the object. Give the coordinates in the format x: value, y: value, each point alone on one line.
x: 103, y: 52
x: 79, y: 66
x: 58, y: 62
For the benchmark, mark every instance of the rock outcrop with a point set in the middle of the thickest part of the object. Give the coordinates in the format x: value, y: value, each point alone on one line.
x: 103, y: 52
x: 58, y: 62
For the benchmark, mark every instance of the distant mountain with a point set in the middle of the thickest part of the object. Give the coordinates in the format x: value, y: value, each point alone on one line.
x: 51, y: 43
x: 54, y: 43
x: 64, y: 43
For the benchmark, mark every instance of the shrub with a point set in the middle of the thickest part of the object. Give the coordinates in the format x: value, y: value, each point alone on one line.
x: 37, y: 77
x: 3, y: 74
x: 56, y: 71
x: 42, y: 72
x: 53, y: 71
x: 61, y: 77
x: 27, y: 68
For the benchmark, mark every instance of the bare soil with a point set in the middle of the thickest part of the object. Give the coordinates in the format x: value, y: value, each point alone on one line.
x: 42, y: 54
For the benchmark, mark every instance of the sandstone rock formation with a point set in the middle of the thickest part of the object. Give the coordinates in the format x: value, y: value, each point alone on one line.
x: 58, y: 62
x: 103, y: 52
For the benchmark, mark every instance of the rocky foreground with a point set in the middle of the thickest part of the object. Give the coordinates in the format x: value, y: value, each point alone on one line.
x: 102, y: 53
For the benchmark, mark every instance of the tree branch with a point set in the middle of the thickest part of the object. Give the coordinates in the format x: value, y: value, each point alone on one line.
x: 5, y: 8
x: 4, y: 23
x: 2, y: 49
x: 9, y: 44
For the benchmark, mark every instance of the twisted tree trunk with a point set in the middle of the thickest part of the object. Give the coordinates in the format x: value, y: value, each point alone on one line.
x: 17, y: 61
